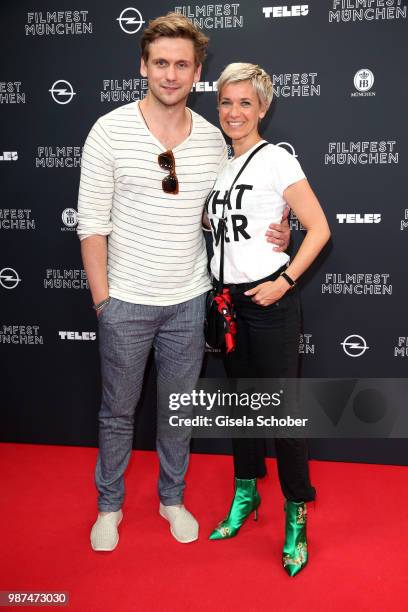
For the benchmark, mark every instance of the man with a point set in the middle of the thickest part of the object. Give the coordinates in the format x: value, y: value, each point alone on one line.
x: 146, y: 170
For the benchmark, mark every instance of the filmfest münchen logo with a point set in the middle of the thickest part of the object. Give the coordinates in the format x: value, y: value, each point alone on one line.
x: 212, y: 16
x: 296, y: 85
x: 401, y: 347
x: 9, y: 278
x: 306, y: 345
x: 59, y: 156
x: 62, y: 92
x: 20, y: 334
x: 11, y: 92
x: 362, y: 152
x: 294, y: 222
x: 356, y: 283
x: 65, y: 279
x: 354, y: 345
x: 123, y: 90
x: 366, y: 10
x: 130, y: 20
x: 60, y: 23
x: 16, y: 219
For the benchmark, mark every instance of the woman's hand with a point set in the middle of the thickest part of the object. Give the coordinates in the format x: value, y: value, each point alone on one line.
x: 269, y: 292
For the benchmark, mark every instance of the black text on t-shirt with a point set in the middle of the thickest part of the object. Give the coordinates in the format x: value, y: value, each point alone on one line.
x: 239, y: 222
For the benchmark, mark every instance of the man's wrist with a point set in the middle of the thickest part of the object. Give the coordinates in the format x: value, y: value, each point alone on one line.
x: 99, y: 305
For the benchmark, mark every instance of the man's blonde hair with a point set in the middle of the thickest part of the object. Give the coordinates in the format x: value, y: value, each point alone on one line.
x: 174, y: 25
x: 260, y: 80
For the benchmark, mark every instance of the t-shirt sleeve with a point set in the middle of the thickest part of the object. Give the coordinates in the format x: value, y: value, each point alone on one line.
x: 286, y: 170
x: 96, y: 186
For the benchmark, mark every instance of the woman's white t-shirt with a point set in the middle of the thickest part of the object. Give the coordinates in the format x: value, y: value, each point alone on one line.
x: 256, y: 201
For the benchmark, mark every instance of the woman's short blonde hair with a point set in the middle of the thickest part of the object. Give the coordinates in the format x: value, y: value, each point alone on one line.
x: 239, y: 71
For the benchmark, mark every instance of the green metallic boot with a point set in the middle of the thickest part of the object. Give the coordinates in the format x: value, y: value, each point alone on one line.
x: 294, y: 557
x: 246, y: 500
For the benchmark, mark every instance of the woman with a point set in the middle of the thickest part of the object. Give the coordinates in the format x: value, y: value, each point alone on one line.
x: 262, y: 285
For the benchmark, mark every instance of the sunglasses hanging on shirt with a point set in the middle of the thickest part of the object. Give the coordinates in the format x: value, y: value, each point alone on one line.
x: 170, y: 182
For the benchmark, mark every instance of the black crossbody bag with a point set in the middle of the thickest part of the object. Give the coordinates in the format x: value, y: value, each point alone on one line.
x: 220, y: 327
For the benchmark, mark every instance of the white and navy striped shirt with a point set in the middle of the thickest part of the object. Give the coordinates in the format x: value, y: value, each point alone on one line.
x: 156, y: 248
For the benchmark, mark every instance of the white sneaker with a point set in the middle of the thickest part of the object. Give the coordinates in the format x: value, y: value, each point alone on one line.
x: 104, y: 533
x: 183, y: 525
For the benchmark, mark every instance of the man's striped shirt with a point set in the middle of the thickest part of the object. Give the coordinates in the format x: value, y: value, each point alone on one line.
x: 156, y: 248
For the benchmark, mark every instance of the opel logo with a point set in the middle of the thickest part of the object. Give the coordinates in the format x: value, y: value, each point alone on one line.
x: 288, y: 147
x: 130, y: 20
x: 62, y: 92
x: 9, y: 278
x: 354, y: 345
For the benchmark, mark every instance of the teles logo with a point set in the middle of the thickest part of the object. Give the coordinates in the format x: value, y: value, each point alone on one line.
x: 62, y: 92
x: 69, y: 217
x: 76, y: 335
x: 286, y: 11
x: 9, y: 156
x: 204, y: 86
x: 354, y: 345
x: 130, y: 20
x: 363, y: 82
x: 358, y: 218
x: 9, y: 278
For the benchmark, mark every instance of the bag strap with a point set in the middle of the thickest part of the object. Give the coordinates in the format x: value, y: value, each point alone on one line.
x: 223, y: 219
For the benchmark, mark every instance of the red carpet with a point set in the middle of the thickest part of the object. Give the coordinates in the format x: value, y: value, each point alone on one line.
x: 358, y: 538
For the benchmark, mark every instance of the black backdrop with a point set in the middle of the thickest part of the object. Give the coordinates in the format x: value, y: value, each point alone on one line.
x: 339, y: 72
